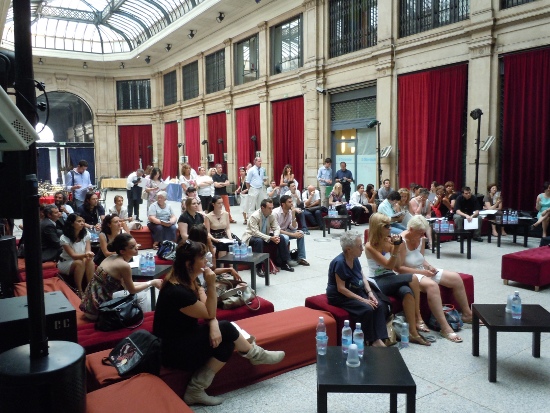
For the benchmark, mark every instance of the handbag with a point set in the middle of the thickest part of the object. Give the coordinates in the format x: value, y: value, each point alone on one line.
x: 140, y: 352
x: 392, y: 338
x: 451, y: 315
x: 232, y: 293
x: 122, y: 312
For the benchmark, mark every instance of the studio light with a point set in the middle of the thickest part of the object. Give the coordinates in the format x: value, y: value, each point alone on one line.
x: 372, y: 123
x: 476, y: 113
x: 168, y: 47
x: 192, y: 33
x: 148, y: 59
x: 204, y: 142
x: 220, y: 17
x: 180, y: 145
x: 253, y: 138
x: 85, y: 65
x: 220, y: 141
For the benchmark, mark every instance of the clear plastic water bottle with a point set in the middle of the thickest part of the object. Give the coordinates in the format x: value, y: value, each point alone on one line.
x: 209, y: 259
x: 359, y: 339
x: 451, y: 227
x: 142, y: 264
x: 346, y: 337
x: 509, y: 303
x: 94, y: 236
x: 321, y: 329
x: 151, y: 263
x: 437, y: 226
x: 237, y: 250
x: 244, y: 250
x: 505, y: 217
x: 516, y: 306
x: 515, y: 216
x: 404, y: 336
x: 445, y: 226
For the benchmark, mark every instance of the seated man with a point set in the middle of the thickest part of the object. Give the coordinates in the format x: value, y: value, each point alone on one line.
x: 298, y: 205
x: 313, y: 208
x: 262, y: 227
x: 60, y: 201
x: 51, y: 245
x: 466, y: 207
x: 387, y: 207
x: 286, y: 218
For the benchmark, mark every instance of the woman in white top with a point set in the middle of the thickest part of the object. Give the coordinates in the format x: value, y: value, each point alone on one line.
x: 187, y: 177
x: 76, y: 259
x: 122, y: 214
x: 204, y: 188
x: 242, y: 191
x: 404, y: 204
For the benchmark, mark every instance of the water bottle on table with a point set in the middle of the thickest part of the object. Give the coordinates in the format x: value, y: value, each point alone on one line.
x: 321, y: 337
x: 346, y: 337
x: 359, y: 339
x: 516, y: 306
x: 142, y: 264
x: 151, y: 263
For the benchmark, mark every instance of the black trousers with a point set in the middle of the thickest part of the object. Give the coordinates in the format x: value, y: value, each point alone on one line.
x: 283, y: 255
x: 133, y: 205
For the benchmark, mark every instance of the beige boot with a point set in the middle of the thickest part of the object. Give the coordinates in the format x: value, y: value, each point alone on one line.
x: 195, y: 394
x: 258, y: 355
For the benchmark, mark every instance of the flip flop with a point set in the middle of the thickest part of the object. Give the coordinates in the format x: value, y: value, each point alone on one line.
x: 419, y: 340
x: 422, y: 327
x: 453, y: 337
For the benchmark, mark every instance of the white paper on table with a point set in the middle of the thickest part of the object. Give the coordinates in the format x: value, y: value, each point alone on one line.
x: 473, y: 224
x: 134, y: 262
x: 164, y: 185
x: 485, y: 212
x: 240, y: 330
x: 225, y: 240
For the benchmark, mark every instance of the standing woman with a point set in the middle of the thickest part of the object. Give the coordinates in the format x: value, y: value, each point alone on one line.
x: 112, y: 275
x: 186, y: 344
x: 204, y: 188
x: 419, y: 205
x: 162, y: 221
x: 543, y: 206
x: 286, y: 178
x: 242, y: 191
x: 187, y: 178
x: 153, y: 186
x: 217, y: 223
x: 190, y: 217
x: 110, y: 228
x: 76, y: 259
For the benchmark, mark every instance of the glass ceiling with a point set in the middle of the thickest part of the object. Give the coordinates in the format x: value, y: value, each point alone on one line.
x: 98, y: 26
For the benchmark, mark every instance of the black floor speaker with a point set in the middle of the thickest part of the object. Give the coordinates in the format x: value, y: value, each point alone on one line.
x: 8, y: 266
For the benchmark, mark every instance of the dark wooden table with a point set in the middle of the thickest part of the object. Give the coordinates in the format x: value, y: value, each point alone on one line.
x: 327, y: 220
x: 251, y: 261
x: 534, y: 319
x: 160, y: 270
x: 382, y: 370
x: 524, y: 223
x: 462, y: 234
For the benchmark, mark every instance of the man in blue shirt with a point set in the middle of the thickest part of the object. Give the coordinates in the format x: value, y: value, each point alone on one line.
x: 387, y: 207
x: 255, y: 180
x: 345, y: 177
x: 78, y: 182
x: 324, y: 177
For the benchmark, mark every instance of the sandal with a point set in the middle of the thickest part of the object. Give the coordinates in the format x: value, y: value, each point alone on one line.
x: 419, y: 340
x: 470, y: 320
x: 422, y: 327
x: 453, y: 337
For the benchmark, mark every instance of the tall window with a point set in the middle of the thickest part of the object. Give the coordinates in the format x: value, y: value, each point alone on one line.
x: 353, y: 25
x: 215, y: 71
x: 190, y: 74
x: 133, y: 94
x: 287, y: 46
x: 505, y: 4
x: 421, y: 15
x: 170, y: 88
x: 246, y: 60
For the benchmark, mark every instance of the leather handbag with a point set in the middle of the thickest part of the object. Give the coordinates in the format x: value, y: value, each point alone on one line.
x: 140, y: 352
x: 233, y: 294
x: 452, y: 316
x: 118, y: 313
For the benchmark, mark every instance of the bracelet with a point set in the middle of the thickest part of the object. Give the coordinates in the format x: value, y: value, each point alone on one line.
x: 394, y: 255
x: 149, y: 283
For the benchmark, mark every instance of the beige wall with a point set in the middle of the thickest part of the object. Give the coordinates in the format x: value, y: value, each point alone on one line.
x: 478, y: 41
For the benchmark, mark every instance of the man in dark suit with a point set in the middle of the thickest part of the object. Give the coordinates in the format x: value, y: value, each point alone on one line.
x: 51, y: 246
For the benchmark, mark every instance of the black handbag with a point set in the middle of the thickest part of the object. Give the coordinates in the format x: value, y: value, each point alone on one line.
x: 118, y: 313
x: 140, y: 352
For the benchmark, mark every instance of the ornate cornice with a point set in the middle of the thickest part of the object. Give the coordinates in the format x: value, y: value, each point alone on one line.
x: 262, y: 26
x: 481, y: 47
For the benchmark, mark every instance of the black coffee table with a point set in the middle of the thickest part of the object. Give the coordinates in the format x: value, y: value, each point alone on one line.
x: 251, y: 261
x: 534, y: 319
x: 160, y: 270
x: 382, y: 370
x: 462, y: 234
x: 523, y: 223
x: 327, y: 220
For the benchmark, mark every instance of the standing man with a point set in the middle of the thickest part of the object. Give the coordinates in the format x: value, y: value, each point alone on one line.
x: 324, y: 177
x: 133, y: 192
x: 78, y: 182
x: 220, y: 188
x: 262, y: 227
x: 345, y: 177
x: 286, y: 218
x: 255, y: 178
x: 466, y: 207
x: 49, y: 234
x: 384, y: 190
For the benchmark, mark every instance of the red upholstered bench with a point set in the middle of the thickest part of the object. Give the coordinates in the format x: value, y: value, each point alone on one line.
x: 143, y: 237
x: 143, y: 393
x: 292, y: 331
x: 531, y: 267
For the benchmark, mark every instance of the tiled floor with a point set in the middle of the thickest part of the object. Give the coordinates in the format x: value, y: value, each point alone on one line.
x: 448, y: 377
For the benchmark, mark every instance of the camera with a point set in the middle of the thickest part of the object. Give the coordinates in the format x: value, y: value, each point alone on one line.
x: 397, y: 241
x: 136, y: 181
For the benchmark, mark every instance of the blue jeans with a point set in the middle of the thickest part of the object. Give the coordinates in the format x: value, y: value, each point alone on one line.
x: 301, y: 244
x: 397, y: 228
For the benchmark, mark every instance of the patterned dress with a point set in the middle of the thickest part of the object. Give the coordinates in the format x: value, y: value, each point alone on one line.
x: 98, y: 291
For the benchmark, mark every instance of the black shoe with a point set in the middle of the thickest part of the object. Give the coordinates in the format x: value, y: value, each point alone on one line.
x: 260, y: 272
x: 478, y: 239
x: 287, y: 267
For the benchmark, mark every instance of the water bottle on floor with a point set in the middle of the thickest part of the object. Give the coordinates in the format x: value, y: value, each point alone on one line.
x: 404, y: 336
x: 346, y: 336
x: 359, y: 339
x: 516, y: 306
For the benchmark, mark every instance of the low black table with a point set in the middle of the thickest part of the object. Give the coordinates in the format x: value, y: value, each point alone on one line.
x: 382, y: 370
x: 327, y: 220
x: 160, y: 270
x: 524, y: 223
x: 251, y: 261
x: 463, y: 234
x: 534, y: 319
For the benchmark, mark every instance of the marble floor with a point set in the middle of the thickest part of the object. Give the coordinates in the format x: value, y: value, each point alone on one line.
x: 448, y: 377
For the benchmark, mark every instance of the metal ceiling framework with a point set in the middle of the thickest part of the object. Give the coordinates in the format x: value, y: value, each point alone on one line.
x: 99, y: 26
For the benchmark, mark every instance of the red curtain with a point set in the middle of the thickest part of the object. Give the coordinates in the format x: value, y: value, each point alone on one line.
x: 248, y: 125
x: 217, y: 130
x: 171, y: 161
x: 288, y: 138
x: 135, y: 142
x: 526, y: 128
x: 431, y: 107
x: 193, y: 141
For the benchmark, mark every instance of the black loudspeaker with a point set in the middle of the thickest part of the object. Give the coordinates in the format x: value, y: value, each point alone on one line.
x: 8, y: 266
x: 14, y: 320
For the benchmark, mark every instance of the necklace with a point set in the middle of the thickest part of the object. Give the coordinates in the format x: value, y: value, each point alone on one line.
x: 218, y: 217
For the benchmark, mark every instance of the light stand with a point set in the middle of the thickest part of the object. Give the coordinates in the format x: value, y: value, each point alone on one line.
x: 476, y: 115
x: 205, y: 142
x: 371, y: 125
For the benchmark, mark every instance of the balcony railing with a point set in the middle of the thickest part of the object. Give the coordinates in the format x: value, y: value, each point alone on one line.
x: 418, y: 16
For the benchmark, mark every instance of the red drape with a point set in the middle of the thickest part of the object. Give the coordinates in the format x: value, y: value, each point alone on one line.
x: 526, y: 129
x: 193, y: 141
x: 431, y: 108
x: 171, y: 161
x: 288, y: 138
x: 217, y: 129
x: 133, y: 143
x: 248, y: 125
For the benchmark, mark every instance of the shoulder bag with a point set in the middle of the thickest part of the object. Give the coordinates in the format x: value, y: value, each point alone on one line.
x: 140, y: 352
x: 452, y: 316
x: 233, y: 294
x: 118, y: 313
x: 144, y: 193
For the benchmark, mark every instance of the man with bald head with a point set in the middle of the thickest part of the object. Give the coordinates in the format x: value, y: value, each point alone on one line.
x: 313, y: 209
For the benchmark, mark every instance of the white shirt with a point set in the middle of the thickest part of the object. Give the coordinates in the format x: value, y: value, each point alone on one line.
x: 314, y: 198
x: 296, y: 197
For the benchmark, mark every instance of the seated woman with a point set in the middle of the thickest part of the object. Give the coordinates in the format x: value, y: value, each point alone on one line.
x: 543, y: 206
x: 493, y: 202
x: 110, y: 228
x: 191, y: 192
x: 162, y: 221
x: 112, y: 275
x: 404, y: 204
x: 120, y: 210
x: 419, y: 205
x: 390, y: 208
x: 188, y: 345
x: 286, y: 178
x: 190, y: 217
x: 76, y: 259
x: 350, y: 289
x: 372, y: 197
x: 438, y: 208
x: 360, y: 206
x: 92, y: 212
x: 217, y: 223
x: 242, y: 191
x: 382, y: 252
x: 413, y: 261
x: 337, y: 200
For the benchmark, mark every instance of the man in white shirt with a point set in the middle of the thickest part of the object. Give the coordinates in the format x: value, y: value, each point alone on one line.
x: 298, y: 205
x: 134, y: 186
x: 286, y: 218
x: 359, y: 203
x: 255, y: 181
x: 312, y: 203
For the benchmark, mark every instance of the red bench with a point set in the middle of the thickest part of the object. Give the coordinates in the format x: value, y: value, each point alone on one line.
x: 531, y: 267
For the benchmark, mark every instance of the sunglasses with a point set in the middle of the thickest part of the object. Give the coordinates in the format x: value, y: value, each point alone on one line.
x: 387, y: 226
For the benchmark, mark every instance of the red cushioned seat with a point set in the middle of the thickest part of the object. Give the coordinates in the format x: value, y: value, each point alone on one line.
x: 49, y: 270
x: 160, y: 261
x: 531, y: 267
x: 143, y: 237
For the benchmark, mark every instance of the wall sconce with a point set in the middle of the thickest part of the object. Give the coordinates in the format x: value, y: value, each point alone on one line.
x: 192, y: 33
x: 168, y: 47
x: 85, y: 65
x: 220, y: 17
x: 148, y: 59
x: 121, y: 66
x: 220, y: 141
x: 180, y: 145
x: 40, y: 62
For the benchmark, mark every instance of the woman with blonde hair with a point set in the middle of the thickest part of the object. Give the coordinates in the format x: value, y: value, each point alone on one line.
x: 404, y: 204
x: 383, y: 255
x: 336, y: 199
x: 187, y: 177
